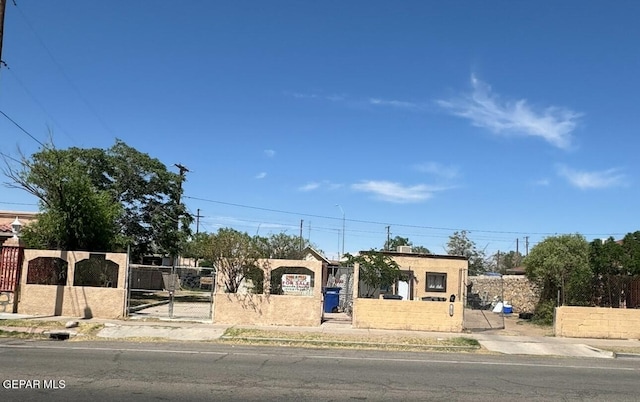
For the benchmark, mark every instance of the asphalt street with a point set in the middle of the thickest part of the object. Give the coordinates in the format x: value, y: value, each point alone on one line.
x: 101, y: 371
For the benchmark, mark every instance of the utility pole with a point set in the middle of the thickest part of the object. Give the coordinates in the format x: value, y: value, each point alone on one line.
x: 526, y: 245
x: 301, y: 242
x: 388, y: 237
x: 517, y: 252
x: 498, y: 261
x: 3, y: 4
x: 198, y: 216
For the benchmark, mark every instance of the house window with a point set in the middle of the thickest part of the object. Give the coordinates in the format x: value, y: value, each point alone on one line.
x: 436, y: 282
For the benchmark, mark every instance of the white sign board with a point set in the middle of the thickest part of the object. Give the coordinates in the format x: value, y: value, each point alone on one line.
x: 296, y: 284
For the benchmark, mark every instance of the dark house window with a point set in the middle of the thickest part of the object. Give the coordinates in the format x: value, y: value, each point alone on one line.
x: 47, y: 271
x: 436, y: 282
x: 96, y: 271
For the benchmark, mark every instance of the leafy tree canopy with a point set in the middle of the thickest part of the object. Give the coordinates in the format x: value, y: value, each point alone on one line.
x: 234, y: 254
x: 102, y: 199
x: 377, y: 270
x: 561, y: 263
x: 393, y: 244
x: 460, y: 244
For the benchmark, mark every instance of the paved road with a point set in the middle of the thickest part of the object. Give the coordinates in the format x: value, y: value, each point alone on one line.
x: 108, y: 371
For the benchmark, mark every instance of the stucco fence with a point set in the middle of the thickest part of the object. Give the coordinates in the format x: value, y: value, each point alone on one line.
x: 47, y: 291
x: 429, y: 309
x: 413, y: 315
x: 293, y: 308
x: 518, y: 290
x: 597, y: 322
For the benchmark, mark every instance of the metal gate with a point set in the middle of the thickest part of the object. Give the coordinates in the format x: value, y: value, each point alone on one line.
x: 484, y: 302
x: 161, y: 292
x: 342, y: 277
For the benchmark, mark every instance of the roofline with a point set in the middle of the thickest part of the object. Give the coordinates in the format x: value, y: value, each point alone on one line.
x: 420, y: 255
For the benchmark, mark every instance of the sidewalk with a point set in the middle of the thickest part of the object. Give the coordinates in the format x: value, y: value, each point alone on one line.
x: 499, y: 341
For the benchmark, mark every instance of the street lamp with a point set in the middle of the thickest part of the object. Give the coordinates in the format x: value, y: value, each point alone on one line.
x: 15, y: 227
x: 343, y: 222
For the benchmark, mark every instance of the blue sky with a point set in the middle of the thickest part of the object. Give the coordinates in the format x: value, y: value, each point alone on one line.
x: 507, y: 119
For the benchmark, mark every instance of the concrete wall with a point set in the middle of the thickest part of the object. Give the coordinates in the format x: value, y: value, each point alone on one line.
x: 73, y: 301
x: 250, y: 309
x: 597, y: 322
x: 518, y: 290
x: 267, y: 309
x: 407, y: 315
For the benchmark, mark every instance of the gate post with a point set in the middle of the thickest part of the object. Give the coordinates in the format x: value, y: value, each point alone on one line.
x: 10, y: 269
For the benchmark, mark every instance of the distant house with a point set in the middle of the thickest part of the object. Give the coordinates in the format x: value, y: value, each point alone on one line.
x: 7, y: 217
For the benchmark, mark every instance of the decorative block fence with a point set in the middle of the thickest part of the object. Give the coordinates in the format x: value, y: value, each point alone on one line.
x: 72, y: 283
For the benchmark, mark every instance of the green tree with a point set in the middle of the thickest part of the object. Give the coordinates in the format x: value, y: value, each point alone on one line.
x: 606, y: 260
x: 460, y: 244
x: 506, y: 261
x: 103, y: 199
x: 281, y: 246
x: 393, y: 244
x: 377, y: 270
x: 235, y: 256
x: 631, y: 253
x: 559, y: 265
x: 74, y: 215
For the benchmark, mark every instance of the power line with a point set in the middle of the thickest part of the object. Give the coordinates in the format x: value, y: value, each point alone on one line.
x: 23, y: 130
x: 384, y: 223
x: 63, y: 73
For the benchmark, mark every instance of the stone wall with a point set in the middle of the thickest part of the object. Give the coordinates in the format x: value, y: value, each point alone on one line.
x: 521, y: 293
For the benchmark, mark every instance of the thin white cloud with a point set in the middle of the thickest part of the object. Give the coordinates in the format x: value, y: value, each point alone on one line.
x: 485, y: 109
x: 325, y: 184
x: 542, y: 182
x: 261, y: 175
x: 394, y: 103
x: 310, y: 186
x: 395, y: 192
x: 593, y: 180
x: 269, y: 153
x: 438, y: 169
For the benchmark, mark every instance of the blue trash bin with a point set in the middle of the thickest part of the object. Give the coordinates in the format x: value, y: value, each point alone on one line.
x: 331, y: 299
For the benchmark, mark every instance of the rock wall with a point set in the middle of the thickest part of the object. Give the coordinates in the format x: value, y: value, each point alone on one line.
x: 521, y: 293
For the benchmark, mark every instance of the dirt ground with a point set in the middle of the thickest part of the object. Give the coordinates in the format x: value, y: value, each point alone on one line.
x: 516, y: 327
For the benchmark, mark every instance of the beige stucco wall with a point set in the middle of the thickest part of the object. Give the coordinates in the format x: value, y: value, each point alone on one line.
x: 455, y: 268
x: 407, y: 315
x: 266, y: 309
x: 251, y: 309
x: 597, y: 322
x: 72, y: 301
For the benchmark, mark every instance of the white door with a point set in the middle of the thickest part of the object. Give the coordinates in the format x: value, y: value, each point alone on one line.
x: 403, y: 289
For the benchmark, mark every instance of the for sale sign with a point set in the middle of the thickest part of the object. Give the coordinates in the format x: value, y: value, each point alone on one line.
x: 296, y: 284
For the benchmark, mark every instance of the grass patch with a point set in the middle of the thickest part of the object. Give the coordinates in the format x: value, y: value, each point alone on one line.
x: 621, y: 349
x: 324, y: 340
x: 21, y: 335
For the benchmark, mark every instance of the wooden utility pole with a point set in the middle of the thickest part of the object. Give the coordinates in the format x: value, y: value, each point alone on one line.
x: 198, y: 216
x: 3, y: 4
x: 388, y: 237
x: 301, y: 241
